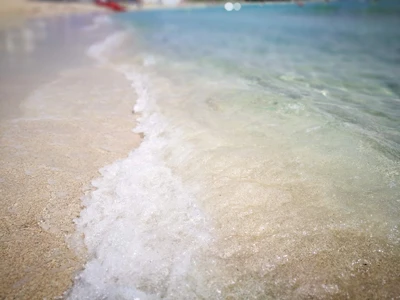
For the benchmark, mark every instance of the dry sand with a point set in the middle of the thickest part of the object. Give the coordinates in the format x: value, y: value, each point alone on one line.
x: 15, y: 11
x: 51, y: 147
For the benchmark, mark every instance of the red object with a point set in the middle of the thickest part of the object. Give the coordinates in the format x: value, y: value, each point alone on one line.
x: 110, y: 4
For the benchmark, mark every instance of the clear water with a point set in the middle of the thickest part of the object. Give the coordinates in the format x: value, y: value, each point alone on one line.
x: 270, y: 162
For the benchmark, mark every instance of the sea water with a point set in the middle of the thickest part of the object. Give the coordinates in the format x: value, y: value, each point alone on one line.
x: 270, y: 163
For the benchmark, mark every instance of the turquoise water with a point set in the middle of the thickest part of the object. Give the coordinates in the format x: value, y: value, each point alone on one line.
x: 270, y: 162
x: 348, y: 51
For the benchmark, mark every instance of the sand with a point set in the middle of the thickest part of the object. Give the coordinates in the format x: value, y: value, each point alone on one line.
x: 54, y: 137
x: 47, y: 160
x: 15, y: 11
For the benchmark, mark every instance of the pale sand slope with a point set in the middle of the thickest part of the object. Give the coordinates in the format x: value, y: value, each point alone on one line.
x: 43, y: 7
x: 67, y: 130
x: 14, y: 10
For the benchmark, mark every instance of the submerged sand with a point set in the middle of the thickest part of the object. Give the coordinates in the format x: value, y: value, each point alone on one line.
x: 66, y: 130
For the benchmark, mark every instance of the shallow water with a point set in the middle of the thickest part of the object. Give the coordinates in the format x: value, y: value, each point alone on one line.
x: 270, y: 163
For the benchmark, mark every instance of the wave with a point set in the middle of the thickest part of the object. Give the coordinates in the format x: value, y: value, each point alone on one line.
x: 141, y: 226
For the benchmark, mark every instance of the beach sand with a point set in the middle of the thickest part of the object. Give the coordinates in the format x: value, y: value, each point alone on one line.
x: 16, y: 11
x: 54, y: 136
x: 48, y: 157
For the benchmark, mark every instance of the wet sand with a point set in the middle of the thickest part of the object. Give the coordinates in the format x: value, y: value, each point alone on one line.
x: 55, y: 133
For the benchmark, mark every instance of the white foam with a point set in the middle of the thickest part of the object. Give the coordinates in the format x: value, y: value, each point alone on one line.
x: 142, y: 228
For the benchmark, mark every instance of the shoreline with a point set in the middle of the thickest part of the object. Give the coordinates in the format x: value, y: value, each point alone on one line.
x: 81, y: 120
x: 47, y: 165
x: 56, y: 138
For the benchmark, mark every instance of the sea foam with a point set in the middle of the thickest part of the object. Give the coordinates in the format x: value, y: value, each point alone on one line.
x: 141, y: 226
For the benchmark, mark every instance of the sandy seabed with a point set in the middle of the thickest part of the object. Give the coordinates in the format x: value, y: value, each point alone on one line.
x: 53, y: 140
